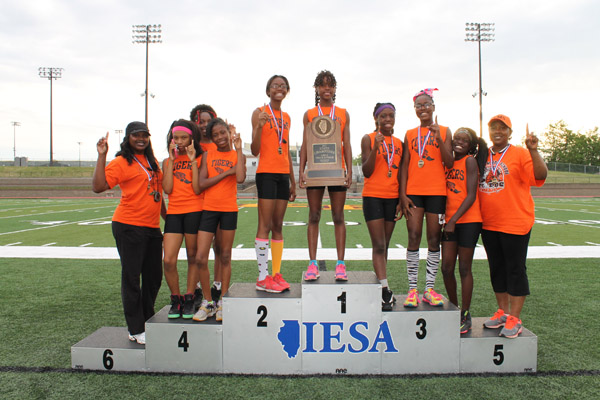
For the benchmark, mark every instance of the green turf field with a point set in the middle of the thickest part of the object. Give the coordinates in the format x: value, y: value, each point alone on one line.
x: 50, y: 304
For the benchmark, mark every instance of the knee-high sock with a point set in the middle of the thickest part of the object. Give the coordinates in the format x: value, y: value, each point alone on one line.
x: 262, y: 257
x: 412, y: 268
x: 276, y: 254
x: 433, y: 262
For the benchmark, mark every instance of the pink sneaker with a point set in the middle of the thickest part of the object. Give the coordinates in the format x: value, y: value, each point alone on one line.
x: 269, y: 285
x: 278, y: 278
x: 340, y: 272
x: 312, y: 272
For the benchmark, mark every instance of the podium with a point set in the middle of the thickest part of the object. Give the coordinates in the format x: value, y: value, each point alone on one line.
x: 317, y: 327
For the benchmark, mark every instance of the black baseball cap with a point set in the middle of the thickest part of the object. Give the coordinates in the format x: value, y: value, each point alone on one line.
x: 136, y: 126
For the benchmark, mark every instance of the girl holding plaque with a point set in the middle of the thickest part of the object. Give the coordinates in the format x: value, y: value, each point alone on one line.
x: 463, y: 218
x: 220, y: 172
x: 507, y: 210
x: 180, y: 183
x: 136, y: 222
x: 381, y: 155
x: 427, y: 150
x: 325, y: 86
x: 274, y: 181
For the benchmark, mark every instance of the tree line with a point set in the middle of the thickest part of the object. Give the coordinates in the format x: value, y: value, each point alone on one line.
x: 561, y: 144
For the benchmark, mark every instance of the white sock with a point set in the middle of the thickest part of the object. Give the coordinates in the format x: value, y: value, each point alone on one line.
x: 262, y: 257
x: 383, y: 282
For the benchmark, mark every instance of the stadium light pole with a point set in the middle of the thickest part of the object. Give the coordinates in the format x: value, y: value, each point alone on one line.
x: 146, y: 34
x: 50, y: 74
x: 119, y: 132
x: 15, y: 124
x: 480, y: 32
x: 79, y: 143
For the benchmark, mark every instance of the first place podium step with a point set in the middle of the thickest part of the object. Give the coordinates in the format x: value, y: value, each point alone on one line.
x: 318, y: 327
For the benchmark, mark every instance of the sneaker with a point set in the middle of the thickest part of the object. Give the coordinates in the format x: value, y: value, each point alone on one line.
x: 412, y: 300
x: 512, y: 328
x: 269, y: 285
x: 432, y: 298
x: 387, y: 299
x: 176, y: 306
x: 219, y: 314
x: 497, y: 320
x: 197, y: 298
x: 215, y: 293
x: 340, y: 272
x: 188, y: 306
x: 139, y: 338
x: 465, y: 321
x: 278, y: 278
x: 312, y: 272
x: 206, y: 310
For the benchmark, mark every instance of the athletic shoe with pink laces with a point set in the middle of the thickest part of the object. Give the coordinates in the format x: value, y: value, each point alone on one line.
x: 269, y: 285
x: 432, y: 298
x: 278, y: 278
x: 340, y: 272
x: 312, y: 272
x: 412, y: 300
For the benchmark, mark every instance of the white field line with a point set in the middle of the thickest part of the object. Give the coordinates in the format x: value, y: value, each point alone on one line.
x: 568, y: 210
x: 55, y: 212
x: 319, y: 244
x: 49, y: 244
x: 301, y: 254
x: 13, y: 244
x: 554, y: 244
x: 85, y: 244
x: 570, y: 222
x: 54, y: 226
x: 593, y: 244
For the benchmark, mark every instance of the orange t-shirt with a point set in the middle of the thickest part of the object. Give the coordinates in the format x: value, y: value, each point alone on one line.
x: 208, y: 146
x: 379, y: 184
x: 223, y: 195
x: 456, y: 192
x: 137, y: 206
x: 339, y: 115
x: 270, y: 161
x: 430, y: 180
x: 507, y: 205
x: 182, y: 199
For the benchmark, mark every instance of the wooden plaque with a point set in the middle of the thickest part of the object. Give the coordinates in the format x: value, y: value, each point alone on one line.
x: 324, y: 166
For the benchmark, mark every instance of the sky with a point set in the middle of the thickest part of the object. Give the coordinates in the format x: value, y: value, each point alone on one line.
x: 542, y: 67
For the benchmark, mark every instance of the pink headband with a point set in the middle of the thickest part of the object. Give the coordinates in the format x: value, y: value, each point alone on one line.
x: 428, y: 92
x: 182, y: 129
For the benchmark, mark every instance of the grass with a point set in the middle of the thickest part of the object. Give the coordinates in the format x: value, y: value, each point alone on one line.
x: 74, y: 298
x: 50, y: 304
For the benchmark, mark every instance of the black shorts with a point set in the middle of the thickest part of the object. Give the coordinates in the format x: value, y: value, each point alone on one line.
x: 183, y: 223
x: 507, y: 255
x: 431, y: 204
x: 329, y: 188
x: 224, y: 220
x: 273, y: 186
x: 378, y: 208
x: 466, y: 235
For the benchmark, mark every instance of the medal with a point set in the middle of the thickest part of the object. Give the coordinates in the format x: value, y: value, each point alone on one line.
x: 331, y: 113
x: 421, y: 146
x: 495, y: 168
x: 277, y: 128
x: 390, y: 157
x: 154, y: 193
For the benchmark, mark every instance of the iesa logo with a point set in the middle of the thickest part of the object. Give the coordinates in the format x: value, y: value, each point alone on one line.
x: 289, y: 337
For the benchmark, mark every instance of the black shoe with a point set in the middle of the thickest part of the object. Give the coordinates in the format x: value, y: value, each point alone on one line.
x: 465, y: 321
x: 387, y: 299
x: 176, y: 306
x: 188, y: 306
x: 197, y: 298
x: 215, y: 293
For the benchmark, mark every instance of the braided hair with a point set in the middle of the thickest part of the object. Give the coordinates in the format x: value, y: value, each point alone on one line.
x: 199, y: 109
x: 321, y: 78
x: 477, y: 147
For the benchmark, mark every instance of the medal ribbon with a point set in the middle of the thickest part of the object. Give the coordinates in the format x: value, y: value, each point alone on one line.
x: 421, y: 146
x: 390, y: 157
x: 331, y: 113
x: 279, y: 133
x: 503, y: 152
x: 144, y: 168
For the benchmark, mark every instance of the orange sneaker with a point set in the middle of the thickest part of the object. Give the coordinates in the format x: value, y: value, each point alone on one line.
x: 269, y: 285
x: 497, y: 320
